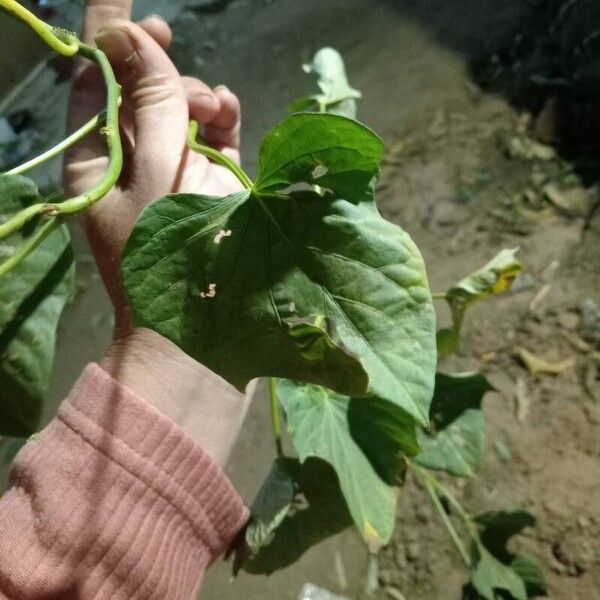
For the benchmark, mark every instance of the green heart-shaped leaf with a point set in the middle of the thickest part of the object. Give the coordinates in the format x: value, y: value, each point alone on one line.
x: 456, y: 443
x: 320, y: 149
x: 321, y: 426
x: 495, y: 566
x: 32, y: 298
x: 489, y: 576
x: 305, y: 287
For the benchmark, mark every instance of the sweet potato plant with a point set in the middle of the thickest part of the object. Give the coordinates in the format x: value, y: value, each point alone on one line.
x: 297, y: 278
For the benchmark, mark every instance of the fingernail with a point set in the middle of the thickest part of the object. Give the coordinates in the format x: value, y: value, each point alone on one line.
x: 117, y: 44
x: 155, y: 16
x: 222, y: 87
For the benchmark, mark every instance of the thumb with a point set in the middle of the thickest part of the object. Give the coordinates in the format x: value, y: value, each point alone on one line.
x: 154, y: 94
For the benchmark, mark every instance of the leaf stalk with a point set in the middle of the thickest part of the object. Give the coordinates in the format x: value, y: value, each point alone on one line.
x: 275, y: 414
x: 217, y: 156
x: 71, y: 140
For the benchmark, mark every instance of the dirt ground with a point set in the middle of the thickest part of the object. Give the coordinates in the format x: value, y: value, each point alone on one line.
x: 450, y: 182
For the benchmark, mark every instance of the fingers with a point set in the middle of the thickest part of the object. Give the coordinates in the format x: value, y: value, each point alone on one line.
x: 99, y: 13
x: 84, y: 163
x: 158, y: 102
x: 223, y: 131
x: 203, y: 103
x: 158, y: 29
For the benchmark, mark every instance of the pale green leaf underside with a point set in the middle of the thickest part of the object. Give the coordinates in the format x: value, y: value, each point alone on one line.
x: 318, y: 421
x: 285, y: 261
x: 457, y: 443
x: 32, y: 298
x: 335, y: 96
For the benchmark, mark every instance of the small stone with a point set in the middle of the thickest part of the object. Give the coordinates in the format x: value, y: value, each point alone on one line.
x: 412, y: 551
x: 590, y: 321
x: 583, y: 522
x: 568, y: 321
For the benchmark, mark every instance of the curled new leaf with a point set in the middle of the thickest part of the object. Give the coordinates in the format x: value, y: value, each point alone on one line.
x: 335, y: 95
x: 271, y: 506
x: 32, y: 298
x: 317, y: 512
x: 456, y: 440
x: 495, y: 277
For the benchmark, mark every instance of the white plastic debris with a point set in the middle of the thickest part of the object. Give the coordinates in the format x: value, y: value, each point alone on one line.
x: 313, y: 592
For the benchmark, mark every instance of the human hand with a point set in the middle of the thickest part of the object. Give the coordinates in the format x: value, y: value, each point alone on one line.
x: 157, y: 105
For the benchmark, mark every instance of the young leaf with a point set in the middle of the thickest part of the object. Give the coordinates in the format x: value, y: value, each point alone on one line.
x: 271, y: 506
x: 532, y: 574
x: 32, y: 297
x: 336, y: 96
x: 496, y: 529
x: 489, y: 576
x: 300, y: 286
x: 495, y: 277
x: 318, y: 512
x: 318, y: 149
x: 319, y: 422
x: 456, y: 443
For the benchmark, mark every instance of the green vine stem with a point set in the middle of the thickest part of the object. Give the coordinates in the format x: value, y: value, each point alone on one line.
x: 75, y: 137
x: 115, y: 151
x: 217, y: 156
x: 26, y: 249
x: 435, y: 488
x: 448, y: 524
x: 67, y: 44
x: 113, y: 140
x: 275, y: 415
x: 63, y: 42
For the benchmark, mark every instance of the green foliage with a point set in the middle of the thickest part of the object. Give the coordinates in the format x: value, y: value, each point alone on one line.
x: 496, y: 530
x: 335, y: 95
x: 489, y: 576
x: 271, y: 506
x: 299, y: 285
x: 322, y: 424
x: 495, y: 277
x: 32, y: 297
x: 317, y: 512
x: 456, y: 440
x: 330, y: 151
x: 298, y: 276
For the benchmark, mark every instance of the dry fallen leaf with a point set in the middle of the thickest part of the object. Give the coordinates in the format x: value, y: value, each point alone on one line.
x: 535, y: 364
x: 575, y: 201
x: 522, y: 400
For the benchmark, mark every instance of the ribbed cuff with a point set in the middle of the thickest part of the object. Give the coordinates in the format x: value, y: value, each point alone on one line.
x: 122, y: 426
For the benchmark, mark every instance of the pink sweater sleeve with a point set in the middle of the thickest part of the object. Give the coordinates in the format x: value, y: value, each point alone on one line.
x: 112, y: 501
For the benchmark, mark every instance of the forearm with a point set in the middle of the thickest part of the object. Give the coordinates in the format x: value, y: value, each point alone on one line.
x: 112, y: 499
x: 204, y: 405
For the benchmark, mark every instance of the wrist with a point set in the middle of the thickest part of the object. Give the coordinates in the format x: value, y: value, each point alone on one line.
x: 203, y: 404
